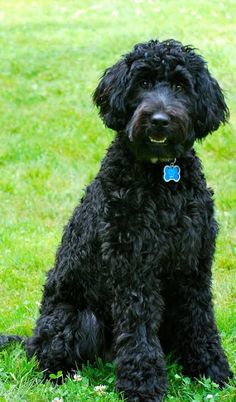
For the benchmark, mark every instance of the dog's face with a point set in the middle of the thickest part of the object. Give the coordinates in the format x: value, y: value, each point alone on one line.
x: 162, y: 96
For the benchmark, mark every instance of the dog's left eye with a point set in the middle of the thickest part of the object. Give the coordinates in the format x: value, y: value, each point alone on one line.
x: 146, y: 84
x: 177, y: 87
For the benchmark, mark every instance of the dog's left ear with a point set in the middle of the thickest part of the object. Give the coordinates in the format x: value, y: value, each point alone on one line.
x: 211, y: 107
x: 109, y: 96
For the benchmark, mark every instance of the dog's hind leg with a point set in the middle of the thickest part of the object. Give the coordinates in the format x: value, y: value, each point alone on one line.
x: 66, y: 338
x: 68, y: 332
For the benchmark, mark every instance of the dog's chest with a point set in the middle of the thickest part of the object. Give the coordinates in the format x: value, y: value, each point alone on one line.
x: 181, y: 218
x: 156, y: 224
x: 174, y: 220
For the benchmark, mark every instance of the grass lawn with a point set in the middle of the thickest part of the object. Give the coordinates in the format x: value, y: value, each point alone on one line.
x: 51, y: 144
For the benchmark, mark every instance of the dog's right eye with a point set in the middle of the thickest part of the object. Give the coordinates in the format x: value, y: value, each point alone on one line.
x: 146, y: 84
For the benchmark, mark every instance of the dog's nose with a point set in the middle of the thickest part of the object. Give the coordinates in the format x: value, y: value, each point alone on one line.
x: 160, y: 120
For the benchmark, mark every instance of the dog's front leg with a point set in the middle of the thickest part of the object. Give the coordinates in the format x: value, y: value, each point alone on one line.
x: 139, y: 357
x: 196, y: 335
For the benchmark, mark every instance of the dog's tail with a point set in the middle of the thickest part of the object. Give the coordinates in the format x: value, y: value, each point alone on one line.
x: 6, y: 339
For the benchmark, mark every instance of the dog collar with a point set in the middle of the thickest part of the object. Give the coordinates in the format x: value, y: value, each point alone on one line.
x: 171, y: 172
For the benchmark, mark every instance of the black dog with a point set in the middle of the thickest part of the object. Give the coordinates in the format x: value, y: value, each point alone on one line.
x: 132, y: 277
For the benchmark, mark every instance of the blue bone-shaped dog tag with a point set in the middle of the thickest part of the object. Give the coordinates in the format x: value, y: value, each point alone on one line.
x: 171, y: 172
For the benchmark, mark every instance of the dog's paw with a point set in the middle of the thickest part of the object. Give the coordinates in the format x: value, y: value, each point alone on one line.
x: 219, y: 374
x: 142, y: 398
x: 136, y: 394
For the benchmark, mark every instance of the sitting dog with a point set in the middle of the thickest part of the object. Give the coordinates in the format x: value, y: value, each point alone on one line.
x: 132, y: 276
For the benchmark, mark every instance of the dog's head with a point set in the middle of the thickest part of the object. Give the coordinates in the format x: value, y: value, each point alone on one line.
x: 162, y: 96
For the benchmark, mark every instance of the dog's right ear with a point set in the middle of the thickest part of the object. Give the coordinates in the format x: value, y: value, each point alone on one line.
x: 109, y: 96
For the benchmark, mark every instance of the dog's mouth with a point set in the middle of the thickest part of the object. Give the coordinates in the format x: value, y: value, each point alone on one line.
x: 160, y: 139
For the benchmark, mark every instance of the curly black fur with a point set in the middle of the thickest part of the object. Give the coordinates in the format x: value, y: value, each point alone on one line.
x: 132, y: 277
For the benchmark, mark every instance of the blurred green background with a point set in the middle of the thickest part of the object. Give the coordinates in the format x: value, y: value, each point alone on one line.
x: 52, y: 142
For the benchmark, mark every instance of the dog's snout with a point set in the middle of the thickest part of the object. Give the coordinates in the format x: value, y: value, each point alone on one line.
x: 160, y: 120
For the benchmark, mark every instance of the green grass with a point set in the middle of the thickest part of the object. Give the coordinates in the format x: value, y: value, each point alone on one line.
x: 51, y: 144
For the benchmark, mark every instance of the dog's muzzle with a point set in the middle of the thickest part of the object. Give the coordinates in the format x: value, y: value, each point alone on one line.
x: 160, y: 130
